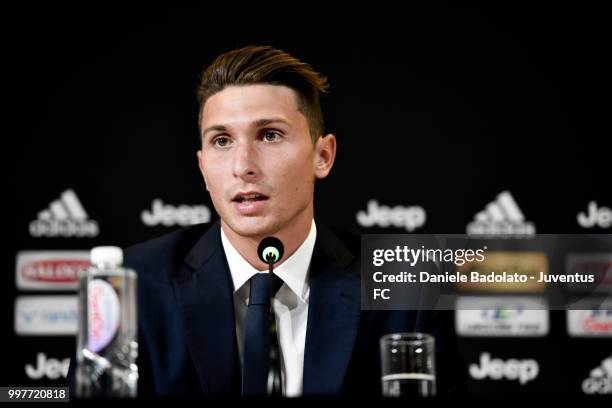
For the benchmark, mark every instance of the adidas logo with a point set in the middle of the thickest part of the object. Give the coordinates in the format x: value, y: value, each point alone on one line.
x: 600, y: 379
x: 409, y: 218
x: 501, y: 217
x: 65, y: 217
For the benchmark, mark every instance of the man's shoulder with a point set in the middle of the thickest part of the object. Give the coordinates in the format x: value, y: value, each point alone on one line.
x: 338, y: 245
x: 166, y: 251
x: 351, y: 240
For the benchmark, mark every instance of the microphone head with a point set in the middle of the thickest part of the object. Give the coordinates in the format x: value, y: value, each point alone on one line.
x: 270, y: 249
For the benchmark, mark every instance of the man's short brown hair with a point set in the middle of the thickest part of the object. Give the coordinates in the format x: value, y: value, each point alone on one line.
x: 267, y: 65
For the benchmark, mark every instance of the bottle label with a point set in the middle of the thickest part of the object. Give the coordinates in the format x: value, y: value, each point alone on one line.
x: 103, y: 314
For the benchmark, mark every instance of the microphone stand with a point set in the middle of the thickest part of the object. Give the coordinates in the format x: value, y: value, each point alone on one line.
x: 274, y: 386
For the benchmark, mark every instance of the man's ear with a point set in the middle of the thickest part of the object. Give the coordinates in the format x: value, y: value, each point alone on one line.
x: 201, y: 166
x: 325, y: 154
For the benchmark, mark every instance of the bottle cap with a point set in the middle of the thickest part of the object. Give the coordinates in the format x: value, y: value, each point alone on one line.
x: 110, y: 255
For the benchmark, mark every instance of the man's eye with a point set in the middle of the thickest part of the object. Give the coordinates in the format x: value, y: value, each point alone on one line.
x: 221, y: 141
x: 271, y: 136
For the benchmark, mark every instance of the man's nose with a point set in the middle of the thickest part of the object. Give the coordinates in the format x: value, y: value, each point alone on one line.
x: 245, y: 161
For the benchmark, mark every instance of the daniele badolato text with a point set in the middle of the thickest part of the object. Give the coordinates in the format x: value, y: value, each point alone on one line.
x: 418, y: 258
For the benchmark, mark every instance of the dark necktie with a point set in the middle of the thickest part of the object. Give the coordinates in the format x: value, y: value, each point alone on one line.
x: 256, y: 358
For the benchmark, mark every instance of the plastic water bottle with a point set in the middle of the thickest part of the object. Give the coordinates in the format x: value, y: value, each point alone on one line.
x: 107, y: 345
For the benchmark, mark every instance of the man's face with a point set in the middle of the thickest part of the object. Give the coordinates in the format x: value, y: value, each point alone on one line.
x: 254, y: 139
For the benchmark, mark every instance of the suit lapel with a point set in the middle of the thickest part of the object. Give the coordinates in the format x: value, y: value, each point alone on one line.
x: 333, y: 314
x: 204, y: 291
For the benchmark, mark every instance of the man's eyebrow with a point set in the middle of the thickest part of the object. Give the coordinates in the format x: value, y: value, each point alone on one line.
x: 256, y: 123
x: 219, y: 128
x: 267, y: 121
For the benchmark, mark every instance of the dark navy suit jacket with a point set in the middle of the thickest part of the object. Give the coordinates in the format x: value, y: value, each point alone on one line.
x: 187, y: 334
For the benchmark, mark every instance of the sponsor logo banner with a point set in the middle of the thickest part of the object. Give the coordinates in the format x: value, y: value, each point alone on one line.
x: 50, y: 270
x: 501, y: 317
x: 46, y: 315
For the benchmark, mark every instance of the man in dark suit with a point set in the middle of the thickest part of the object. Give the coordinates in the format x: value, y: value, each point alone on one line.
x: 262, y: 149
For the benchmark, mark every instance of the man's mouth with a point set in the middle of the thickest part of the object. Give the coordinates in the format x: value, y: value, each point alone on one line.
x: 249, y: 197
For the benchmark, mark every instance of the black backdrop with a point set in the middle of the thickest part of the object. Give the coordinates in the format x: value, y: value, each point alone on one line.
x: 442, y: 109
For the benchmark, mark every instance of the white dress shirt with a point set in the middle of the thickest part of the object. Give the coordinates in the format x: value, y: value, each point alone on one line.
x: 290, y: 306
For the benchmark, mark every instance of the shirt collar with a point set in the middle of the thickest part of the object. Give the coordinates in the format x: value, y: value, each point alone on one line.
x: 293, y: 271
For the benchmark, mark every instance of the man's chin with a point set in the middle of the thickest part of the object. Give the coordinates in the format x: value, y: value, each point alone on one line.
x: 252, y: 227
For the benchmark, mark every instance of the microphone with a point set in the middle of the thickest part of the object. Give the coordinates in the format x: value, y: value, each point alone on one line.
x: 270, y: 251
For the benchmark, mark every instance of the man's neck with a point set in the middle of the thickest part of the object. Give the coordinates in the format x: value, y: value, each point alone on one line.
x: 292, y: 236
